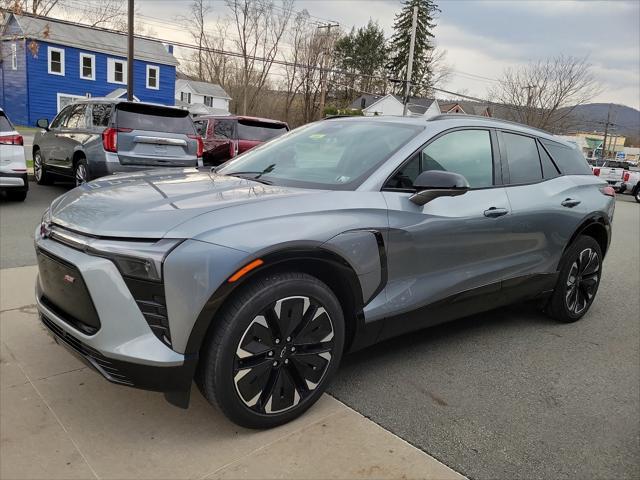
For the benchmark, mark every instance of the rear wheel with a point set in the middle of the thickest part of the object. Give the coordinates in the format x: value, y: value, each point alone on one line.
x: 81, y: 172
x: 39, y: 170
x: 637, y: 193
x: 276, y: 345
x: 578, y: 280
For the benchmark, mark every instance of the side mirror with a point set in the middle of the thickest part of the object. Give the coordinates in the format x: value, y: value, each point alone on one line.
x: 438, y: 183
x: 43, y: 123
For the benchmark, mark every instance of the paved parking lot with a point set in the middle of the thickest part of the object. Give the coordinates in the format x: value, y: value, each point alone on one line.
x: 507, y: 394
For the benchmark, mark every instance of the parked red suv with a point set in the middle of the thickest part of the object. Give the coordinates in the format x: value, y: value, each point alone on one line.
x: 227, y: 136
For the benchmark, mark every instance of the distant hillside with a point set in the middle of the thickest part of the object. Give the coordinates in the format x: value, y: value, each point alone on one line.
x: 593, y: 116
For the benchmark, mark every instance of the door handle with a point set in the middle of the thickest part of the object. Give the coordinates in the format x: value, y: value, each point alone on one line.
x: 494, y: 212
x: 570, y: 202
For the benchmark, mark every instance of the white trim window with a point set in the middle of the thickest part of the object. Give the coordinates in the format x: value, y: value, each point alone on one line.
x: 208, y: 101
x: 64, y: 99
x: 55, y: 61
x: 153, y: 77
x: 185, y: 97
x: 87, y: 66
x: 14, y: 56
x: 116, y: 71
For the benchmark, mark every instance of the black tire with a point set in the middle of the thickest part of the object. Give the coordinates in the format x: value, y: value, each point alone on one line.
x: 636, y: 193
x: 286, y: 375
x: 17, y: 196
x: 40, y: 170
x: 81, y: 171
x: 578, y: 281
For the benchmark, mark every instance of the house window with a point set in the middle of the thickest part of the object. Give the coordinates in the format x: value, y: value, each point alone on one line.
x: 208, y: 101
x: 87, y: 66
x: 14, y: 56
x: 56, y: 61
x: 116, y: 71
x: 153, y: 75
x: 185, y: 97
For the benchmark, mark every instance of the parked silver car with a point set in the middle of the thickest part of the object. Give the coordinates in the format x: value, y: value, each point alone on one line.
x: 96, y: 137
x: 257, y: 277
x: 13, y: 167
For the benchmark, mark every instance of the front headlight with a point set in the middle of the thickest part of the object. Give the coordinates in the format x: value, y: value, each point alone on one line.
x: 140, y: 259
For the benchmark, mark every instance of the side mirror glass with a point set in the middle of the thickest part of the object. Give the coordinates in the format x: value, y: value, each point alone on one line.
x: 438, y: 183
x: 43, y: 123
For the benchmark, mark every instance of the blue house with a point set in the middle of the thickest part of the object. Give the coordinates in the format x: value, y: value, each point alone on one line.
x: 47, y: 63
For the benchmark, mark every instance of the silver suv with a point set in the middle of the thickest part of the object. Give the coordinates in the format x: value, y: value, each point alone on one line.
x: 96, y: 137
x: 255, y: 279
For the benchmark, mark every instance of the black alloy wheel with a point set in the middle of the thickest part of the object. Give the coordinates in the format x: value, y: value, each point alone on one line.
x: 578, y: 280
x: 272, y: 349
x: 283, y: 355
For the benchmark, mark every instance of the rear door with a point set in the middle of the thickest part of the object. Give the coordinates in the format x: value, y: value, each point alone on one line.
x: 221, y: 144
x: 155, y: 136
x: 546, y: 206
x: 48, y: 141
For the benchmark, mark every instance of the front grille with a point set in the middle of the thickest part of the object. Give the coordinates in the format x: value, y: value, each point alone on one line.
x: 95, y: 358
x: 152, y: 304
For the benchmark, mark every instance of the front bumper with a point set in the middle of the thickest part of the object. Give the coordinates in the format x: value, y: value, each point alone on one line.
x: 123, y: 349
x: 14, y: 181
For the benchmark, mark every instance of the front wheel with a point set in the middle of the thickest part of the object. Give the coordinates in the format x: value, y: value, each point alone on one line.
x: 81, y: 172
x: 578, y: 280
x: 39, y: 169
x: 275, y: 347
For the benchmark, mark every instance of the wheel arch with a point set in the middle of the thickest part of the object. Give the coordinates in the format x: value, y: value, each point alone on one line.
x: 329, y: 267
x: 77, y: 155
x: 596, y: 226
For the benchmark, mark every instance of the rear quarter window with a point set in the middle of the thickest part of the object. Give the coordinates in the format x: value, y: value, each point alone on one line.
x: 5, y: 125
x: 569, y: 160
x: 154, y: 118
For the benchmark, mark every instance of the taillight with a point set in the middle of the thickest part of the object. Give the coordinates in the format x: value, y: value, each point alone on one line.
x: 198, y: 139
x: 110, y: 138
x: 625, y: 177
x: 11, y: 140
x: 596, y: 172
x: 608, y: 191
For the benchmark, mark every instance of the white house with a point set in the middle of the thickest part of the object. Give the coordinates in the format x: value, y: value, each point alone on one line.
x: 202, y: 97
x: 392, y: 105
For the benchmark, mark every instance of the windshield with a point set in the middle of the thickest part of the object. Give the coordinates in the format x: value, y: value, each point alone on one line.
x: 258, y: 130
x: 329, y: 154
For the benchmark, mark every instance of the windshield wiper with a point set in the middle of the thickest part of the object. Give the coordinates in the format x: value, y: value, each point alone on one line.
x: 257, y: 174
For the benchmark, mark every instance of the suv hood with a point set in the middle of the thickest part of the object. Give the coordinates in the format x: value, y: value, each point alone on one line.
x: 149, y: 204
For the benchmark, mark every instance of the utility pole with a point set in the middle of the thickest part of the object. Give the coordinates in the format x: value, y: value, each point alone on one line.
x: 130, y: 53
x: 324, y: 61
x: 412, y: 43
x: 606, y: 131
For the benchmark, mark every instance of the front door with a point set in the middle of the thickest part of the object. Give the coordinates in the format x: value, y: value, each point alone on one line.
x: 454, y: 251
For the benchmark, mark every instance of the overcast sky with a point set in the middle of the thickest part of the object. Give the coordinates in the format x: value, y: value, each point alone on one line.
x: 482, y: 37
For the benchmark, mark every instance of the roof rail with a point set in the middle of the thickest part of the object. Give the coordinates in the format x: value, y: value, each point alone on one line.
x: 450, y: 116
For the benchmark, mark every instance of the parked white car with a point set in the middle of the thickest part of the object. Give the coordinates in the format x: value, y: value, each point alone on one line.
x: 631, y: 183
x: 610, y: 170
x: 13, y: 166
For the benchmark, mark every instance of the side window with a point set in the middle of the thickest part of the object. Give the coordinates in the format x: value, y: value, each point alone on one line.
x: 201, y: 127
x: 569, y: 160
x: 223, y: 129
x: 76, y: 117
x: 522, y: 158
x: 549, y: 169
x: 59, y: 121
x: 100, y: 114
x: 467, y: 152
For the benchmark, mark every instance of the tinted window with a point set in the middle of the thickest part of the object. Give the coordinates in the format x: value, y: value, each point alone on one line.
x: 5, y: 126
x: 329, y: 154
x: 153, y: 118
x: 224, y: 128
x: 522, y: 158
x: 569, y: 160
x: 250, y: 130
x: 549, y: 170
x: 100, y: 113
x: 62, y: 116
x: 76, y: 117
x: 201, y: 127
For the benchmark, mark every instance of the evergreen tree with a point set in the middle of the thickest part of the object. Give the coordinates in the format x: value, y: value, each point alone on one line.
x: 422, y: 73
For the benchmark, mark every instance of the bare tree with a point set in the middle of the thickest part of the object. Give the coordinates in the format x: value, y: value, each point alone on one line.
x: 195, y: 23
x: 543, y: 94
x: 260, y: 25
x: 36, y: 7
x: 98, y: 13
x: 292, y: 71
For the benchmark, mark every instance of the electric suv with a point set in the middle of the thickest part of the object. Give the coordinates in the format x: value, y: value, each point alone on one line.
x: 100, y: 136
x: 255, y: 278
